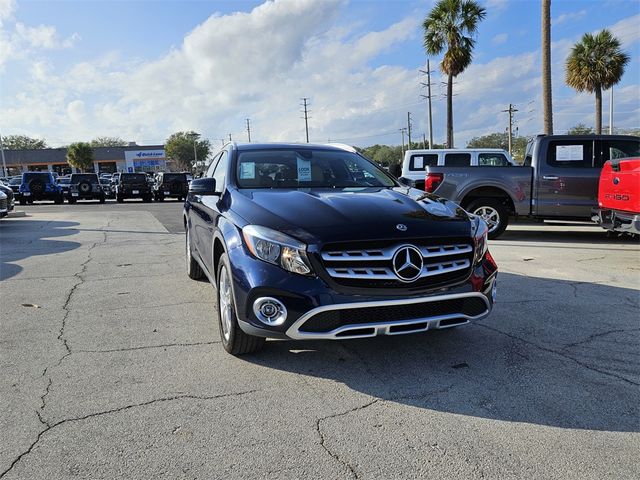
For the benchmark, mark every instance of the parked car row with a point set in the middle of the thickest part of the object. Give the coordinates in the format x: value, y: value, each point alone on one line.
x: 38, y: 186
x: 558, y: 180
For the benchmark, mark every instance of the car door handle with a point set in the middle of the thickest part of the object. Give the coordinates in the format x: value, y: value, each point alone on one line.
x: 549, y: 177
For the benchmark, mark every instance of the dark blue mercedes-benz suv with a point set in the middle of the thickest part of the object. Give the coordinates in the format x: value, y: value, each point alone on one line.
x: 309, y: 241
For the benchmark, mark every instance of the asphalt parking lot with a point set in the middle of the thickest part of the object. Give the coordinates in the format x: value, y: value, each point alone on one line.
x: 112, y: 368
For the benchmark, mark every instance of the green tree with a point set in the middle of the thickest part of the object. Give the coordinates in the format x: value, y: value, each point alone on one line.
x: 546, y: 67
x: 449, y: 28
x: 580, y: 129
x: 107, y: 142
x: 181, y: 147
x: 596, y: 63
x: 80, y: 155
x: 500, y: 140
x: 22, y: 142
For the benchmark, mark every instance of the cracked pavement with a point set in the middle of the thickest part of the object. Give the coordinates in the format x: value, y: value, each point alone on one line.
x: 119, y: 373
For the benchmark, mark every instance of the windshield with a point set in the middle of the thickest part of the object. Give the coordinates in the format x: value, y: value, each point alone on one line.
x: 172, y: 177
x: 90, y: 177
x: 306, y: 168
x: 45, y: 177
x: 134, y: 178
x: 15, y: 181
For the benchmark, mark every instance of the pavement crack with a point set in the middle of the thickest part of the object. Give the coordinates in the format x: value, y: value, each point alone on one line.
x: 598, y: 335
x: 147, y: 347
x: 112, y: 411
x: 350, y: 469
x: 562, y: 354
x: 79, y: 275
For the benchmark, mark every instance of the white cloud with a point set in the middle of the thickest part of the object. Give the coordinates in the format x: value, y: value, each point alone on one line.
x: 627, y: 30
x: 568, y: 17
x: 496, y: 4
x: 258, y: 64
x: 499, y: 39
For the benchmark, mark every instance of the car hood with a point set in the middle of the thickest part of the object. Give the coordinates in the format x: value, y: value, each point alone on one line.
x: 334, y: 215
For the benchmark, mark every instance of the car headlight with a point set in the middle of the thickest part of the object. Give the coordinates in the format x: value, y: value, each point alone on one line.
x: 275, y: 247
x: 480, y: 238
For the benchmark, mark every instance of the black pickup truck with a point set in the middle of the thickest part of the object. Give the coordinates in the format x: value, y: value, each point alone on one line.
x: 558, y: 180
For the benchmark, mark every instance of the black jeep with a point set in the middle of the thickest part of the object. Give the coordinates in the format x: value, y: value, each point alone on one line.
x: 170, y: 185
x: 85, y: 186
x: 132, y: 185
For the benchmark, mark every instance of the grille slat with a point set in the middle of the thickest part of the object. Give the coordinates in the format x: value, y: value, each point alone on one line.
x: 353, y: 265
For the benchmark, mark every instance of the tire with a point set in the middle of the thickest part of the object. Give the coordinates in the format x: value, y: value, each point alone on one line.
x: 119, y: 199
x: 23, y: 201
x: 234, y: 340
x: 103, y: 199
x: 194, y: 270
x: 493, y: 212
x: 160, y: 198
x: 59, y: 200
x: 71, y: 200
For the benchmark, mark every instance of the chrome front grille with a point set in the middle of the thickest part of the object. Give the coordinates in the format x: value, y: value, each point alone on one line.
x: 375, y: 266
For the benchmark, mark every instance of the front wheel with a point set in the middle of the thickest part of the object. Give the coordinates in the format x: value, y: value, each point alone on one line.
x: 194, y: 270
x: 493, y: 212
x: 234, y: 340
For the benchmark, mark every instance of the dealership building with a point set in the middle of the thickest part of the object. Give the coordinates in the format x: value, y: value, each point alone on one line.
x: 132, y: 158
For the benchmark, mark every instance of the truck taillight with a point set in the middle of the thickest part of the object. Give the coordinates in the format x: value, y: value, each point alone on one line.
x: 432, y: 181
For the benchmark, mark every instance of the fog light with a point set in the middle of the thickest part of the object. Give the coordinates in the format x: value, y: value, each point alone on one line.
x: 270, y: 311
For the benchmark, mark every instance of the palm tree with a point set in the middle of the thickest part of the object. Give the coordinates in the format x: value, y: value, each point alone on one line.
x: 449, y: 28
x: 596, y: 63
x: 546, y: 67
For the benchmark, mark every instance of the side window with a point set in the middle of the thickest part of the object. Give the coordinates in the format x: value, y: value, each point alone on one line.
x: 212, y: 165
x: 570, y: 153
x: 528, y: 154
x: 492, y: 160
x: 418, y: 162
x: 220, y: 171
x: 613, y: 149
x: 457, y: 160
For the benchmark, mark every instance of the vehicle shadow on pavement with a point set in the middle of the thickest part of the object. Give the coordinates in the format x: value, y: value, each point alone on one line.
x: 544, y: 356
x: 595, y: 238
x: 23, y: 238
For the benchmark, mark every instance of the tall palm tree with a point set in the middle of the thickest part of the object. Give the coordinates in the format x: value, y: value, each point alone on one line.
x: 546, y: 67
x: 596, y: 63
x: 449, y: 28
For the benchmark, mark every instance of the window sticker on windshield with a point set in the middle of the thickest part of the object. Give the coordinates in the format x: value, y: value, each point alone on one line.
x: 418, y: 163
x: 569, y: 153
x: 304, y: 170
x: 248, y: 170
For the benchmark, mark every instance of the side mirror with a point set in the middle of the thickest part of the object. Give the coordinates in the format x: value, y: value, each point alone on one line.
x: 203, y: 186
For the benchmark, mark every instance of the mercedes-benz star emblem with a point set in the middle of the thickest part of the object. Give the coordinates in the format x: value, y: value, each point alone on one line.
x: 407, y: 263
x: 402, y: 227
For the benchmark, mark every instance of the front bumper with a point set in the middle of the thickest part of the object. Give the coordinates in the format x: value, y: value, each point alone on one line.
x: 316, y: 311
x: 617, y: 220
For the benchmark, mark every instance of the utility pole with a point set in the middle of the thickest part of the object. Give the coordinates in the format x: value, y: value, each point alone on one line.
x: 409, y: 130
x: 222, y: 141
x: 4, y: 163
x: 248, y: 130
x: 402, y: 130
x: 424, y: 141
x: 427, y: 72
x: 306, y: 117
x: 611, y: 111
x: 512, y: 109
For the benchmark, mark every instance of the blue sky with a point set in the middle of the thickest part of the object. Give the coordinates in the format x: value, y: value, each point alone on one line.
x: 142, y: 69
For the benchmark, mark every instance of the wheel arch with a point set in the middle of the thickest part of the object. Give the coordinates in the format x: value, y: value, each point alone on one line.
x: 491, y: 191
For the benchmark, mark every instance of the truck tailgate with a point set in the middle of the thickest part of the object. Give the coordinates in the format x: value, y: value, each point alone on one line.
x: 619, y: 187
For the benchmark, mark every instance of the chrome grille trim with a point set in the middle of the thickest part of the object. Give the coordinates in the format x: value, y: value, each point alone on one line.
x: 384, y: 273
x: 387, y: 253
x: 346, y: 332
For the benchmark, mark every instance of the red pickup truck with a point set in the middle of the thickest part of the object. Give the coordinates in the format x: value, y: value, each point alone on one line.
x: 619, y: 196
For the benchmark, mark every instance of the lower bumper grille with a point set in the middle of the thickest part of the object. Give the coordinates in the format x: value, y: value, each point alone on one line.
x: 390, y: 317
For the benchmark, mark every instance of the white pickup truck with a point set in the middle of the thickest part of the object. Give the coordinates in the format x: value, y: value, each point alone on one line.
x: 415, y: 161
